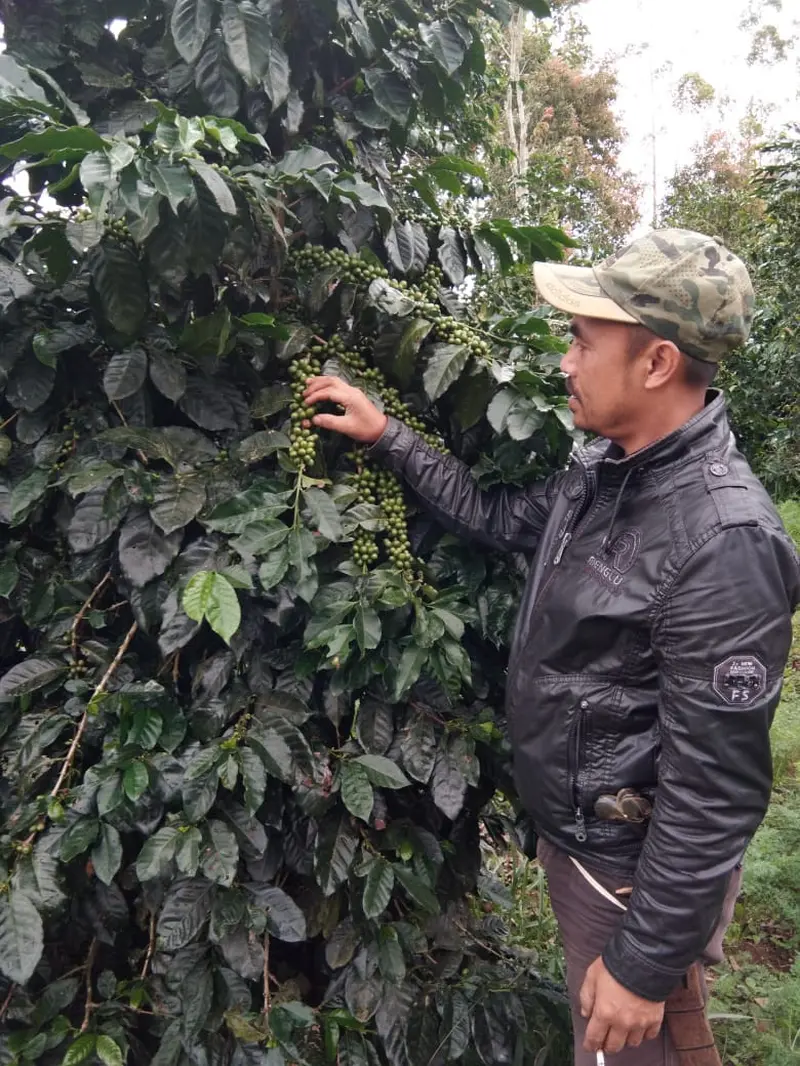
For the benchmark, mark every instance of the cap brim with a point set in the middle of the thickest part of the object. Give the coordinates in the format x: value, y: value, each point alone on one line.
x: 576, y: 291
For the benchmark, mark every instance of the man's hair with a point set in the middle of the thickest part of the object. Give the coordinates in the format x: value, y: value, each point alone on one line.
x: 697, y: 373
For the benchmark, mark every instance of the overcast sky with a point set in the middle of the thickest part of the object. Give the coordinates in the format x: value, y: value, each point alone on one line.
x: 701, y: 36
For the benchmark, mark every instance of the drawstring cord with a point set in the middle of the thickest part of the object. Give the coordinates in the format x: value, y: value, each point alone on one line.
x: 607, y: 539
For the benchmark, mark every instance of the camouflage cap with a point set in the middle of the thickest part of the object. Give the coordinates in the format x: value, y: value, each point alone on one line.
x: 685, y: 287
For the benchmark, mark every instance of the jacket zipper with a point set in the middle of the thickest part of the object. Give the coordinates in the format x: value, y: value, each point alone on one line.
x: 574, y: 760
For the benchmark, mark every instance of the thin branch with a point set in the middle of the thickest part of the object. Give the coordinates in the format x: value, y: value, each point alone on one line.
x: 87, y: 1014
x: 9, y: 421
x: 140, y: 454
x: 82, y: 612
x: 7, y: 1002
x: 151, y: 947
x: 73, y: 748
x: 266, y: 975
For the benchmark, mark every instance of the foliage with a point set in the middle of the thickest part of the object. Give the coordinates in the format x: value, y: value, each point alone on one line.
x: 250, y: 698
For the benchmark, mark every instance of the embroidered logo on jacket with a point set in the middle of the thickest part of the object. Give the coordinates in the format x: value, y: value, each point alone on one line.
x: 740, y: 679
x: 611, y: 566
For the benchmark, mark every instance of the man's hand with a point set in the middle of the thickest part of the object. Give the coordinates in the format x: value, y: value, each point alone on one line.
x: 617, y: 1017
x: 361, y: 419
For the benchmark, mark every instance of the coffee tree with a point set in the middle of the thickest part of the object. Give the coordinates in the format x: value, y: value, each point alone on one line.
x: 251, y: 719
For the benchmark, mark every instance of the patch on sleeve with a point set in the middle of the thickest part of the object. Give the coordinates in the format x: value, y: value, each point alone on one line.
x: 740, y: 679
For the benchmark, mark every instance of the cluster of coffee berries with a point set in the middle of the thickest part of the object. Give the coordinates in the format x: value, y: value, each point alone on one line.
x: 351, y: 268
x: 78, y: 667
x: 118, y: 229
x: 398, y: 546
x: 303, y: 447
x: 404, y: 34
x: 451, y: 330
x: 67, y: 448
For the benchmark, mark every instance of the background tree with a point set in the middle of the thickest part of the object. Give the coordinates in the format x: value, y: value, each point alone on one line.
x: 250, y: 697
x: 564, y: 136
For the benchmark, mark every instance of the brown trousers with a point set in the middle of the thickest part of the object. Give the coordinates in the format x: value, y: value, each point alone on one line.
x: 587, y: 921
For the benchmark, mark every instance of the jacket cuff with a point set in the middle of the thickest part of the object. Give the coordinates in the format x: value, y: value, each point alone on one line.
x: 382, y: 447
x: 637, y: 973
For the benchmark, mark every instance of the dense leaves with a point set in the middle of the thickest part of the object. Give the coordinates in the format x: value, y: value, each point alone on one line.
x: 250, y: 697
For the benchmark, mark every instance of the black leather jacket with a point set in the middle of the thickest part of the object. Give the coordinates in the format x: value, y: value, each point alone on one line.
x: 649, y: 653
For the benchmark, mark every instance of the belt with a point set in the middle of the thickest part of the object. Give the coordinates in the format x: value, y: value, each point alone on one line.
x: 685, y: 1008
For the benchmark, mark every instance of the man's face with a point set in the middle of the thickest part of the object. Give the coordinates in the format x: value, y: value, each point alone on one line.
x: 606, y: 395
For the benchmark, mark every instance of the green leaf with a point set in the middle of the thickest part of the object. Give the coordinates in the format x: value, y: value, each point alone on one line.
x: 216, y: 78
x: 177, y: 502
x: 367, y: 628
x: 274, y: 751
x: 9, y: 576
x: 285, y: 920
x: 27, y: 492
x: 445, y: 364
x: 390, y: 93
x: 419, y: 892
x: 378, y: 888
x: 21, y: 937
x: 107, y: 853
x: 173, y: 181
x: 29, y: 676
x: 445, y: 44
x: 451, y: 255
x: 49, y: 343
x: 324, y: 515
x: 334, y: 852
x: 96, y: 517
x: 135, y: 780
x: 276, y: 77
x: 211, y: 596
x: 120, y: 287
x: 191, y: 25
x: 185, y: 911
x: 78, y: 838
x: 357, y: 794
x: 382, y: 772
x: 57, y: 138
x: 414, y: 334
x: 168, y: 374
x: 448, y: 785
x: 254, y: 778
x: 523, y: 419
x: 258, y: 446
x: 217, y: 186
x: 144, y: 552
x: 108, y: 1051
x: 187, y: 852
x: 411, y: 662
x: 540, y: 8
x: 220, y: 857
x: 125, y: 374
x: 247, y: 34
x: 157, y: 852
x: 273, y: 570
x: 80, y: 1050
x: 296, y: 162
x: 419, y: 748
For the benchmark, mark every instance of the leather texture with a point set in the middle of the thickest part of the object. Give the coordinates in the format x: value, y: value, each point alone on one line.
x: 649, y: 653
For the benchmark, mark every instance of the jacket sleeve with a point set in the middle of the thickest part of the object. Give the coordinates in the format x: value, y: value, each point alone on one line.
x: 502, y: 518
x: 721, y: 640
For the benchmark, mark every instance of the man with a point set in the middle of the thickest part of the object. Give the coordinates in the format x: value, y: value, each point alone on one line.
x: 653, y: 633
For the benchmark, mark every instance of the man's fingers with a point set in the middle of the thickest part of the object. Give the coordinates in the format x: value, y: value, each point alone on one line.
x: 616, y: 1039
x: 339, y: 423
x: 596, y: 1032
x: 636, y: 1037
x: 653, y: 1031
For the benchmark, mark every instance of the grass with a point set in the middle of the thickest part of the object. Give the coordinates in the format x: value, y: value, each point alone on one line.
x: 755, y: 993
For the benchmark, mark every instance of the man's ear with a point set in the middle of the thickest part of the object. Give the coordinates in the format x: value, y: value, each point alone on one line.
x: 664, y: 364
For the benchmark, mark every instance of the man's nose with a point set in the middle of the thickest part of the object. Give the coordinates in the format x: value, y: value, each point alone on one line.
x: 567, y: 363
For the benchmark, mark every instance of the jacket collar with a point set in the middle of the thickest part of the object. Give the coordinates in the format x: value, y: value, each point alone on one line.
x: 708, y: 433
